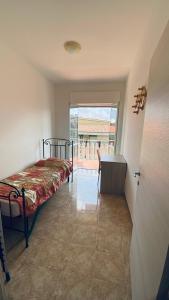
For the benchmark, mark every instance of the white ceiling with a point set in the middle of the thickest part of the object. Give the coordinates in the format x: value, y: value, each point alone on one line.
x: 109, y: 32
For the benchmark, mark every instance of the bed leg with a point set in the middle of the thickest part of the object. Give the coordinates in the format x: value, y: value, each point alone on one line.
x: 7, y: 276
x: 25, y: 219
x: 26, y: 234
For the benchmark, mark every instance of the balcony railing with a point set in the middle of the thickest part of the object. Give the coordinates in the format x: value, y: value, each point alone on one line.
x: 87, y: 149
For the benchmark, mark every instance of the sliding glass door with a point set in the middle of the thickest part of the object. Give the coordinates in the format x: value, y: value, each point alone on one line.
x: 91, y: 128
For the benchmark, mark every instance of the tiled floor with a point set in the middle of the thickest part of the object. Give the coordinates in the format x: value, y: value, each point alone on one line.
x: 79, y: 249
x: 88, y: 164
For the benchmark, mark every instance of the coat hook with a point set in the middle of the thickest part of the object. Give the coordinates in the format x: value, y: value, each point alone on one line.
x: 140, y: 99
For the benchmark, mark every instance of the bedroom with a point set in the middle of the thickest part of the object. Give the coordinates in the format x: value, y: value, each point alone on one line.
x: 39, y: 81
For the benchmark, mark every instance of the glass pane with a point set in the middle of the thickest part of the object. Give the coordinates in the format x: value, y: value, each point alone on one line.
x: 93, y: 128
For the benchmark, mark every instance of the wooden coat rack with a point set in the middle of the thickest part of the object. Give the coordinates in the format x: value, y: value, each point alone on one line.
x: 140, y: 100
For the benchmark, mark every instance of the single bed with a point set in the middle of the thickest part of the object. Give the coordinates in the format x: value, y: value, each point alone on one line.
x: 22, y: 194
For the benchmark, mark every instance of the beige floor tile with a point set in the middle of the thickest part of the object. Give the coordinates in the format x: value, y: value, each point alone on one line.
x: 34, y: 282
x: 105, y: 290
x: 84, y: 234
x: 109, y: 240
x: 89, y: 218
x: 76, y: 253
x: 79, y: 290
x: 109, y: 266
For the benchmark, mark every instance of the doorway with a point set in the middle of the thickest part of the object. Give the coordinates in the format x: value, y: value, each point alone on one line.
x: 91, y: 128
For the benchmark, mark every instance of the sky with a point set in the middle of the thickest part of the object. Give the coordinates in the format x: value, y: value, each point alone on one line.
x: 101, y: 113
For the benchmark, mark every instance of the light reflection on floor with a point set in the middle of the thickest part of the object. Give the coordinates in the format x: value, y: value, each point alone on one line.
x: 85, y: 189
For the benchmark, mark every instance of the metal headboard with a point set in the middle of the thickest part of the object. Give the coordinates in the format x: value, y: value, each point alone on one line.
x: 56, y: 147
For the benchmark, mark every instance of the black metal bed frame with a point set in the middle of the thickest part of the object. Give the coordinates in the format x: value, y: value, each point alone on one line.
x: 14, y: 194
x: 3, y: 253
x: 57, y: 148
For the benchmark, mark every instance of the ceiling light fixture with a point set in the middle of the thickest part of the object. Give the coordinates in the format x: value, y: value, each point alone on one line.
x: 72, y: 46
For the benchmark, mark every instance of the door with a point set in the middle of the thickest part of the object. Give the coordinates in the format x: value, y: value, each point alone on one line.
x: 73, y: 117
x: 150, y: 237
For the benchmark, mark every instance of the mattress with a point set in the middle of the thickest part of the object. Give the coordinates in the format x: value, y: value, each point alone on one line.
x: 40, y: 182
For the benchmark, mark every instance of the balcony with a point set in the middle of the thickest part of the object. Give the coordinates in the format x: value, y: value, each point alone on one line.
x: 85, y: 152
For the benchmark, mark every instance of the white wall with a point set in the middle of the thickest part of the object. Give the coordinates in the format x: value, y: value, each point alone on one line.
x: 26, y: 112
x: 138, y: 76
x: 132, y: 140
x: 92, y: 92
x: 150, y: 236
